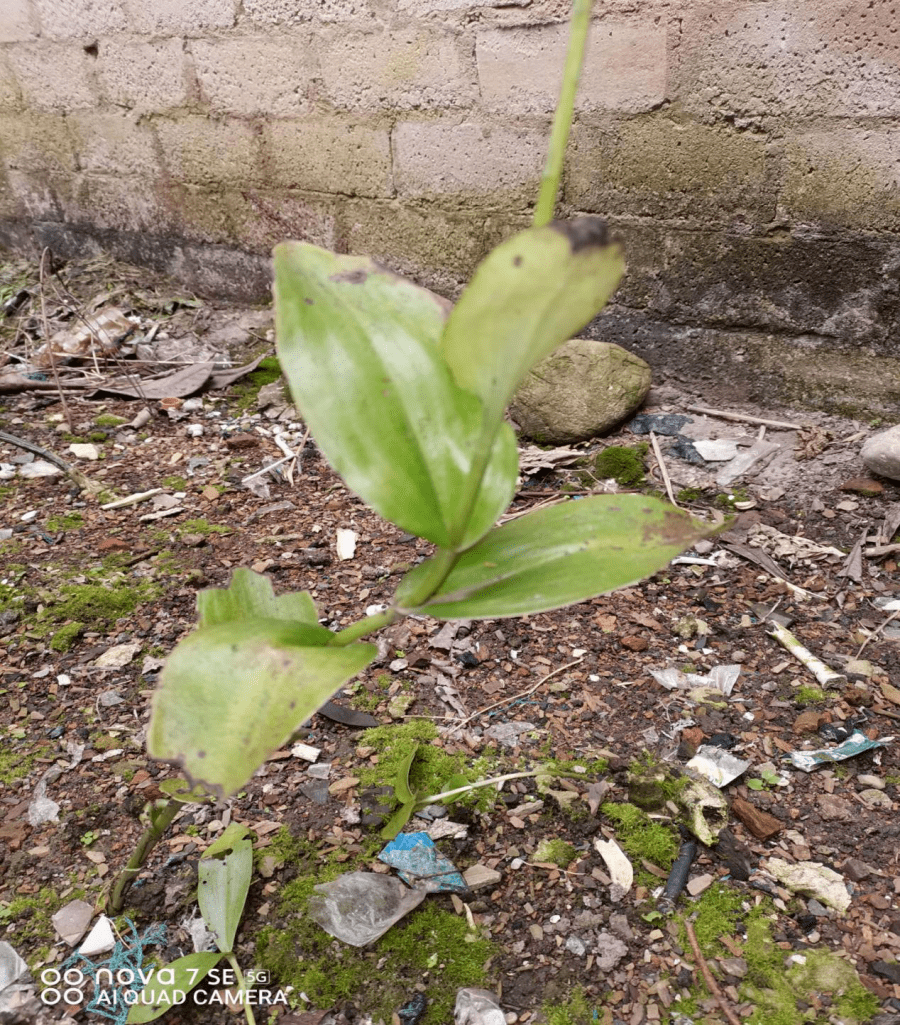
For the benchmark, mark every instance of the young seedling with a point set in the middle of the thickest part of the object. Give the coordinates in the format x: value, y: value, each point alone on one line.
x: 405, y: 397
x: 224, y: 875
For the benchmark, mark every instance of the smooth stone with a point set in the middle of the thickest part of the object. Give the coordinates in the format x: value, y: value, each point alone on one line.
x: 881, y: 453
x: 580, y: 391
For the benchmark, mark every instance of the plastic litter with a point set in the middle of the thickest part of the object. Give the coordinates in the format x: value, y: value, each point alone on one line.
x: 678, y: 876
x: 16, y: 987
x: 717, y: 765
x: 721, y: 679
x: 668, y: 424
x: 811, y: 879
x: 412, y: 1012
x: 684, y: 450
x: 854, y: 745
x: 420, y: 863
x: 477, y: 1007
x: 359, y: 907
x: 99, y: 940
x: 705, y: 809
x: 620, y: 868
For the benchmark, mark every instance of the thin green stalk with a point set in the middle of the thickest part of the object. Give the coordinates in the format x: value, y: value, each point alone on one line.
x: 160, y: 820
x: 363, y: 627
x: 423, y: 802
x: 562, y: 122
x: 239, y: 975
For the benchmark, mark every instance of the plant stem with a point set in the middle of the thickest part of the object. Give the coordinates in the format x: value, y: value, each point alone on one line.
x: 159, y: 822
x: 433, y: 798
x: 363, y: 627
x: 248, y: 1010
x: 439, y: 567
x: 562, y: 121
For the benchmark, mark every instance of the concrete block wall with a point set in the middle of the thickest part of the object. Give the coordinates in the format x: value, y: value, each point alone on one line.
x: 747, y: 153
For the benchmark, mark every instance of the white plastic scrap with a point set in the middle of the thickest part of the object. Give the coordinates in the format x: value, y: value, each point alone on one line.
x: 722, y: 678
x: 477, y: 1007
x: 42, y: 809
x: 346, y: 544
x: 99, y: 940
x: 620, y: 868
x: 717, y: 765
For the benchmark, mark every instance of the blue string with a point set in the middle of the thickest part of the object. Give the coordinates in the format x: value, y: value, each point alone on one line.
x: 114, y: 1002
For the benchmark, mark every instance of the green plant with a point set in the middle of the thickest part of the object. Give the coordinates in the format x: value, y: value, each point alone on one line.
x: 807, y: 695
x: 768, y: 778
x: 223, y: 874
x: 406, y: 400
x: 88, y: 838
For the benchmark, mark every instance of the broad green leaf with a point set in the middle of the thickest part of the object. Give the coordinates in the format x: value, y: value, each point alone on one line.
x: 181, y: 791
x: 251, y: 596
x: 179, y: 977
x: 359, y: 347
x: 398, y: 820
x: 456, y: 781
x: 231, y: 694
x: 557, y: 556
x: 528, y: 296
x: 401, y: 781
x: 223, y: 883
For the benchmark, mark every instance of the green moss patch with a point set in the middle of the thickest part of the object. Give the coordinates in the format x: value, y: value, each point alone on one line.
x: 66, y: 636
x: 433, y: 769
x: 432, y: 945
x: 97, y: 604
x: 70, y: 521
x: 244, y: 392
x: 640, y: 837
x: 625, y: 465
x: 203, y: 527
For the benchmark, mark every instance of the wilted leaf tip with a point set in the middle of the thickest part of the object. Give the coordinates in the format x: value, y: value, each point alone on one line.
x: 583, y: 232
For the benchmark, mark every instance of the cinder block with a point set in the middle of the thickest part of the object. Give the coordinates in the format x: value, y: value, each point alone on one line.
x: 458, y: 159
x: 664, y: 168
x: 759, y: 60
x: 844, y: 178
x: 186, y: 17
x: 36, y: 141
x: 520, y: 69
x: 16, y: 21
x: 79, y: 19
x: 146, y: 76
x: 255, y: 74
x: 435, y: 248
x: 119, y: 203
x: 329, y: 156
x: 36, y: 194
x: 10, y: 97
x: 294, y: 12
x: 113, y: 144
x: 223, y: 270
x: 201, y: 150
x: 412, y: 67
x: 265, y: 218
x: 53, y: 76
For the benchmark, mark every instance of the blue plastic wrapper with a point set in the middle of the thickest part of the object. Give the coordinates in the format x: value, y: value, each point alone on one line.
x: 854, y: 745
x: 419, y: 863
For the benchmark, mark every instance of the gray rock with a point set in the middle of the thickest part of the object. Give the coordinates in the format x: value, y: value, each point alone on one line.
x: 609, y: 950
x: 575, y: 946
x: 580, y: 391
x: 881, y: 453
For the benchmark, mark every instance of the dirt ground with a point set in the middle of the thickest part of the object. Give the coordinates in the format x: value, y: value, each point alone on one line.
x: 558, y: 946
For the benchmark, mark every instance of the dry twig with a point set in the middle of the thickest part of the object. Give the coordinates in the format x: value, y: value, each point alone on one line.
x: 515, y: 697
x: 51, y: 355
x: 711, y: 983
x: 662, y: 468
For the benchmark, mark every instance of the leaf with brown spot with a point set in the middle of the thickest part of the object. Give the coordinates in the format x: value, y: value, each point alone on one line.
x: 556, y: 556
